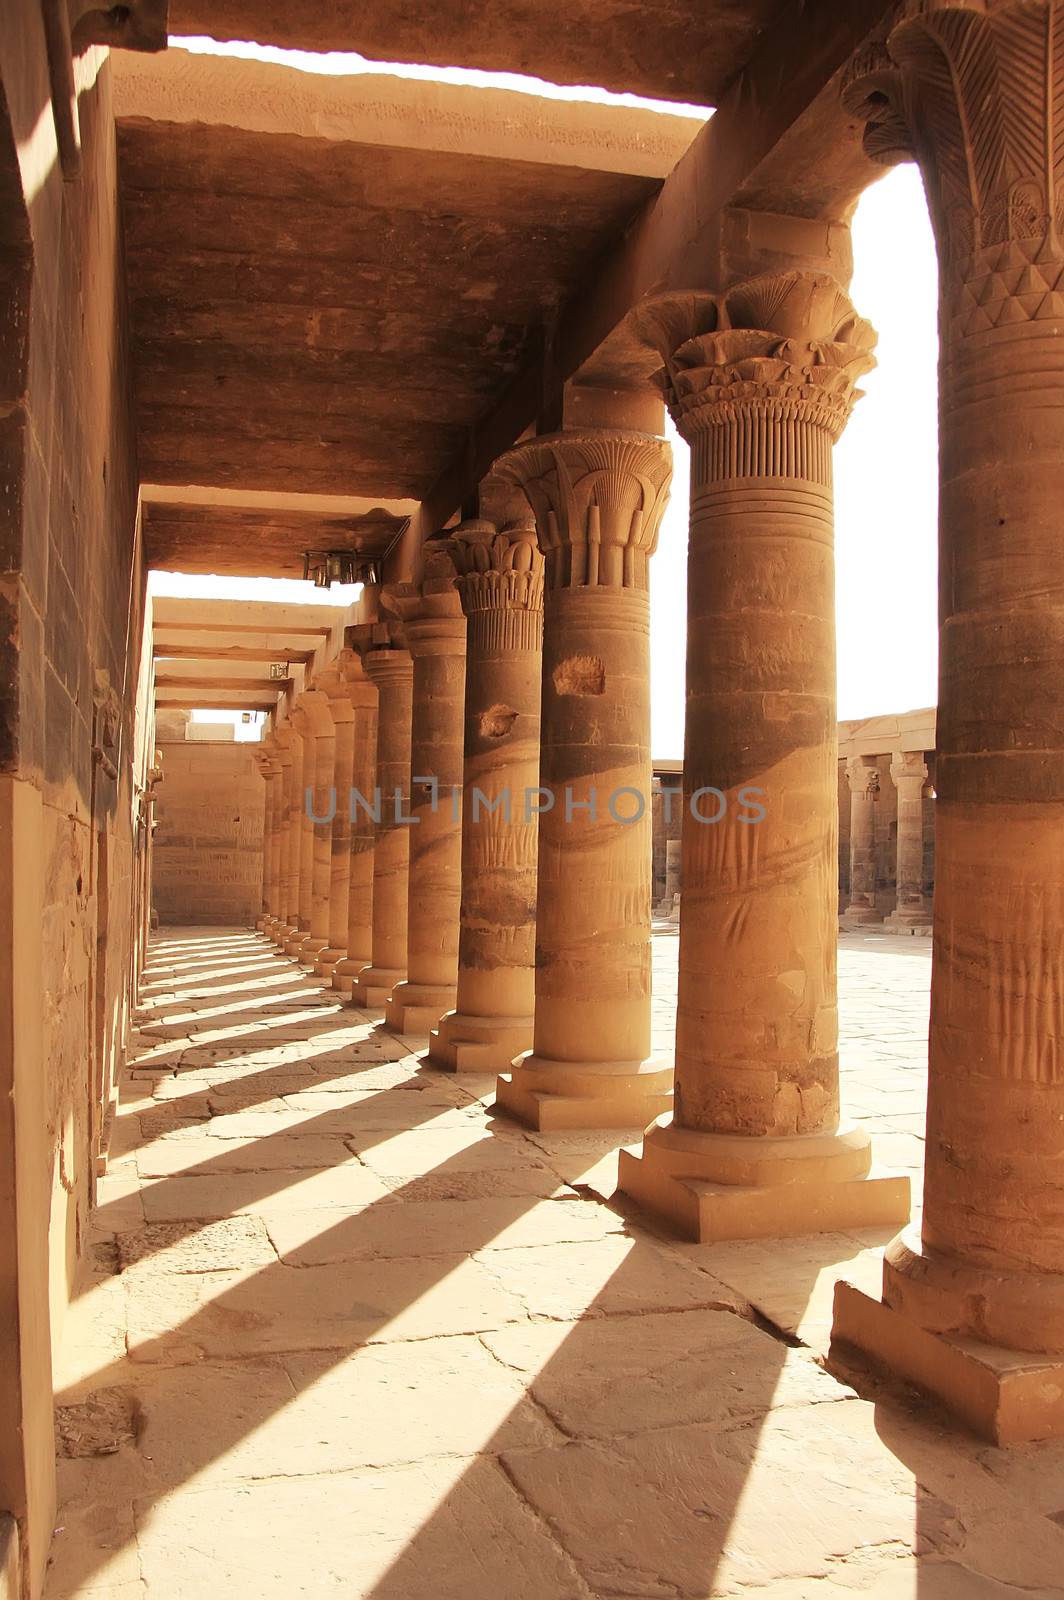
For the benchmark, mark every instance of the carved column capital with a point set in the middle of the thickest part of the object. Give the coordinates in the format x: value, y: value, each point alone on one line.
x: 908, y: 767
x: 388, y: 665
x: 598, y: 497
x: 972, y: 88
x: 498, y: 571
x: 862, y: 777
x: 778, y: 349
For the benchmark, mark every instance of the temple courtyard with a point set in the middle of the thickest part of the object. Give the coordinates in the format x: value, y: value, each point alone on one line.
x: 340, y: 1329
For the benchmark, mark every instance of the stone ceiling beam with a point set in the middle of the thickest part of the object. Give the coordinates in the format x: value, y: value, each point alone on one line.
x: 780, y: 140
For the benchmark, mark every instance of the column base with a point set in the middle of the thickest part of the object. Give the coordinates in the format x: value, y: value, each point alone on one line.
x: 713, y: 1187
x: 855, y: 917
x: 464, y: 1043
x: 1006, y: 1396
x: 417, y: 1007
x: 372, y: 987
x: 311, y: 949
x: 346, y: 971
x: 551, y: 1096
x: 294, y: 944
x: 908, y: 922
x: 326, y: 961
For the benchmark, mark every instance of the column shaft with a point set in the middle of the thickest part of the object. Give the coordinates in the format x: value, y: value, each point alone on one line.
x: 342, y: 714
x: 362, y: 693
x: 862, y: 774
x: 502, y: 594
x: 437, y: 644
x: 391, y: 671
x: 912, y: 909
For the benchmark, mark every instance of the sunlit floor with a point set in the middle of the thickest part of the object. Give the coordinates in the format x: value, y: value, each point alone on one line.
x: 344, y: 1333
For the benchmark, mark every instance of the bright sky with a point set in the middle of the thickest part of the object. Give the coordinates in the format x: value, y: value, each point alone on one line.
x: 885, y: 468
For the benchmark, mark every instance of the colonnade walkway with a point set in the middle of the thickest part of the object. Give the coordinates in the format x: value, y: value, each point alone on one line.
x: 342, y: 1331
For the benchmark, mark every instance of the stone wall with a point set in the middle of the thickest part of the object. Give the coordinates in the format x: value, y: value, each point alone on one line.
x: 207, y: 855
x: 71, y: 598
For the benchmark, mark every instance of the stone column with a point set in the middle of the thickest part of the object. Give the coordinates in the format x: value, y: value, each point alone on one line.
x: 362, y: 694
x: 501, y: 586
x: 435, y: 632
x: 291, y: 757
x: 279, y: 832
x: 305, y: 827
x: 862, y: 775
x: 760, y: 380
x: 973, y: 1306
x: 271, y: 772
x: 598, y: 498
x: 341, y: 712
x: 912, y: 910
x: 391, y: 670
x: 319, y: 802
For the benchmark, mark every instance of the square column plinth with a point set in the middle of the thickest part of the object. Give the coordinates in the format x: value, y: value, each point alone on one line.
x: 713, y: 1187
x: 1006, y: 1396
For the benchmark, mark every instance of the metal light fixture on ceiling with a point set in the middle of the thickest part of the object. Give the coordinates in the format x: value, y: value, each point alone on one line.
x: 326, y: 567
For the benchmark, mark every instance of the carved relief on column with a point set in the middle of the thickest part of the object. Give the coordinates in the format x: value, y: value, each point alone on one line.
x: 501, y: 587
x: 760, y: 379
x: 598, y: 497
x: 435, y: 632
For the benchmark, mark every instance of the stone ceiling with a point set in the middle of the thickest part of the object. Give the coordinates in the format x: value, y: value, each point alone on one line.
x: 687, y: 50
x: 331, y: 281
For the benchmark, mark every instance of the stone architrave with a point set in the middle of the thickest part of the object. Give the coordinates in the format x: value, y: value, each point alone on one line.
x: 333, y: 685
x: 973, y: 1303
x: 912, y: 909
x: 598, y: 498
x: 760, y: 380
x: 501, y: 587
x: 434, y: 628
x: 362, y: 693
x: 391, y: 670
x: 862, y: 775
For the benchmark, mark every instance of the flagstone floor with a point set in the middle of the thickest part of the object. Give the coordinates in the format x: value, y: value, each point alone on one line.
x: 342, y: 1332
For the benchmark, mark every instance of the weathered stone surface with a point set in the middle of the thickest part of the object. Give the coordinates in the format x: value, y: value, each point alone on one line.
x: 347, y: 1186
x: 391, y: 1533
x: 225, y: 1315
x: 98, y: 1425
x: 612, y: 1277
x: 433, y: 1228
x: 226, y: 1245
x: 609, y: 1378
x: 169, y: 1157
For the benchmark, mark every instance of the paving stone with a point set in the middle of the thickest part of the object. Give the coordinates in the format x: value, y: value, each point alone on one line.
x: 391, y: 1533
x: 421, y: 1151
x: 281, y: 1151
x: 229, y: 1244
x: 602, y: 1379
x: 691, y: 1512
x: 187, y: 1317
x: 438, y: 1227
x: 345, y: 1187
x: 614, y: 1277
x: 538, y: 1182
